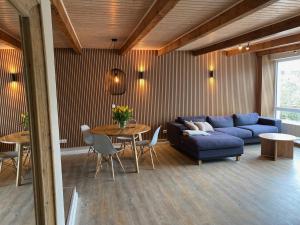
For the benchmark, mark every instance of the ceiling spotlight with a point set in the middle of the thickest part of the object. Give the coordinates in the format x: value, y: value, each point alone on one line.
x: 240, y: 47
x: 248, y: 47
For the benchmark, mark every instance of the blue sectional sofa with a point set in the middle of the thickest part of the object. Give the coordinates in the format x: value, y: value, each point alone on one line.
x: 228, y: 138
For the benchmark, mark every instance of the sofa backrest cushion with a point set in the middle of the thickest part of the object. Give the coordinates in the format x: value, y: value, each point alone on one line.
x: 245, y: 119
x: 220, y: 121
x: 204, y: 126
x: 181, y: 119
x: 190, y: 125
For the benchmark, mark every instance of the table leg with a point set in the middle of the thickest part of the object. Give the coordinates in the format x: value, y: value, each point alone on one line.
x: 19, y: 149
x: 135, y: 154
x: 140, y: 137
x: 275, y: 150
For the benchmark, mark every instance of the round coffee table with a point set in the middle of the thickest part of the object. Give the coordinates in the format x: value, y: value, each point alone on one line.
x: 275, y: 145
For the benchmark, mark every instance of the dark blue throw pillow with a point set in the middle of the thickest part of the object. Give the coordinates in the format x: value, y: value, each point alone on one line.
x: 181, y: 119
x: 245, y: 119
x: 220, y: 121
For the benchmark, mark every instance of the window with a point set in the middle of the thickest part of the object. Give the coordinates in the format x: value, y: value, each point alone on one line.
x: 287, y: 105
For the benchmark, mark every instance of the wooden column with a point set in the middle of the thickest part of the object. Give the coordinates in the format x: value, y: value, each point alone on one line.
x: 38, y: 54
x: 258, y: 89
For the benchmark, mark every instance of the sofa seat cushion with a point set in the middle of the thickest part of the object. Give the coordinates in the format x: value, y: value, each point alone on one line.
x: 235, y: 131
x: 216, y: 140
x: 220, y: 121
x: 259, y: 129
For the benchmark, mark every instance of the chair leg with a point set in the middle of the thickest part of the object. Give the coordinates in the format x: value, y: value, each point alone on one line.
x: 139, y: 153
x: 155, y: 153
x: 24, y: 162
x: 112, y: 167
x: 90, y: 149
x: 27, y: 158
x: 237, y: 158
x: 151, y: 157
x: 120, y: 162
x: 98, y: 166
x: 123, y: 145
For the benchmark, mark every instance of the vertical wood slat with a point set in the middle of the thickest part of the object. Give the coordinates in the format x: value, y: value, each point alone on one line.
x: 175, y: 84
x: 12, y: 96
x: 258, y: 83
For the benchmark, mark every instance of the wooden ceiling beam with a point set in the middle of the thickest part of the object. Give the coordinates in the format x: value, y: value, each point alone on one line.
x: 156, y: 13
x: 232, y: 14
x: 253, y: 35
x: 288, y: 48
x: 292, y: 39
x: 9, y: 39
x: 23, y: 7
x: 60, y: 11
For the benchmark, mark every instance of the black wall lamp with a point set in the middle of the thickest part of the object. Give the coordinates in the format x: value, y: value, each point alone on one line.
x: 141, y: 75
x: 211, y: 73
x: 14, y: 77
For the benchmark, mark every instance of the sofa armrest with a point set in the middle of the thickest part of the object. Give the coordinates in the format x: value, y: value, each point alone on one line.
x: 174, y: 132
x: 270, y: 122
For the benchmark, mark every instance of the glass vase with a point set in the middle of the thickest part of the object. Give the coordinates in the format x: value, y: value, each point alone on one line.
x: 122, y: 124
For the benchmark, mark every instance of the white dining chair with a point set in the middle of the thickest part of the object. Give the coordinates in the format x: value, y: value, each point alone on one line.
x: 104, y: 148
x: 27, y: 154
x: 88, y: 138
x: 150, y: 145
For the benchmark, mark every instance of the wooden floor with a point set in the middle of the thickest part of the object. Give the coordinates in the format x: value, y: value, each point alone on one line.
x: 16, y: 203
x: 177, y: 192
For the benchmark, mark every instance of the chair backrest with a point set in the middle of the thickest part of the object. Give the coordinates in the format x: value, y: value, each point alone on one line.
x: 88, y: 138
x: 155, y: 137
x: 131, y: 121
x: 84, y: 128
x: 103, y: 144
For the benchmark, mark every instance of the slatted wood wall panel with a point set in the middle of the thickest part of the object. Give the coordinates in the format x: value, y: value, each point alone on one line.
x: 12, y: 95
x: 175, y: 84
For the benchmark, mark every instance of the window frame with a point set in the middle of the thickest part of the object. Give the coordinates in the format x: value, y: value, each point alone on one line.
x: 278, y: 109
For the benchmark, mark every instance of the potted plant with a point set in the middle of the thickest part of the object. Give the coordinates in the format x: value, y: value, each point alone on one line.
x: 122, y: 114
x: 25, y: 121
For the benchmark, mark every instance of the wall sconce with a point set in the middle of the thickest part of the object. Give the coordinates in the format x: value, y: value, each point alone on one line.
x: 14, y: 77
x: 141, y: 75
x: 211, y: 73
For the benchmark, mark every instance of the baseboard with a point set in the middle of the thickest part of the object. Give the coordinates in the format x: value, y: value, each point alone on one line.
x: 74, y: 150
x: 71, y: 216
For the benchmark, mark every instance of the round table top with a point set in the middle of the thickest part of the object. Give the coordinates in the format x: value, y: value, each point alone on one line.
x: 278, y: 137
x: 16, y: 138
x: 114, y: 130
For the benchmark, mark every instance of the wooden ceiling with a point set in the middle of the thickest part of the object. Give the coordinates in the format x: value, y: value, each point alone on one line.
x: 96, y: 22
x: 275, y: 12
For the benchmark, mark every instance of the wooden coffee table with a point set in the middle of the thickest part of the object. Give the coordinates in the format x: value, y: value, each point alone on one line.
x: 275, y: 145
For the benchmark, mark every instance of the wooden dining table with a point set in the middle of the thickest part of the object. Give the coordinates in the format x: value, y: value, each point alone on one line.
x: 18, y: 139
x: 131, y: 131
